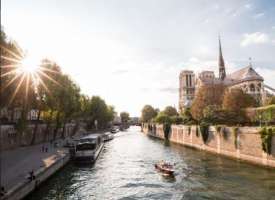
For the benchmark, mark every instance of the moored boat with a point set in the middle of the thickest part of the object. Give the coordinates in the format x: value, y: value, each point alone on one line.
x: 108, y: 137
x: 88, y: 148
x: 114, y: 130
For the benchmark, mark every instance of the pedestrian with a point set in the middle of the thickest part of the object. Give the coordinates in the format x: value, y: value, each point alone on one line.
x: 31, y: 177
x: 46, y: 149
x: 3, y: 191
x: 43, y: 148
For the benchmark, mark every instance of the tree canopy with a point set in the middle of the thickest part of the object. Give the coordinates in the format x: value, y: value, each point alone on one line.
x: 207, y: 95
x: 148, y: 113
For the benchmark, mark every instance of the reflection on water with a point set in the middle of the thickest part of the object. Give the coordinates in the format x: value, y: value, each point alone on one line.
x: 125, y: 170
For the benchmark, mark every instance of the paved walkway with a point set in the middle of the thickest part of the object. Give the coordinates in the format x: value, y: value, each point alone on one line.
x: 17, y: 163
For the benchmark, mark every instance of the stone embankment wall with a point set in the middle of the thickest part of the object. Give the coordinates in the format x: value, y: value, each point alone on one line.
x: 245, y: 145
x: 22, y: 189
x: 11, y: 138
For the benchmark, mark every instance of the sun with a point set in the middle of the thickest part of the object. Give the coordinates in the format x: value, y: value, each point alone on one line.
x: 29, y: 65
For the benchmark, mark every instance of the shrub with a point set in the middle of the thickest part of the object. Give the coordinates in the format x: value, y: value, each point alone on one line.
x: 163, y: 118
x: 266, y: 136
x: 224, y: 133
x: 189, y: 130
x: 166, y: 130
x: 176, y: 120
x: 187, y: 117
x: 204, y: 127
x: 235, y: 132
x: 260, y: 115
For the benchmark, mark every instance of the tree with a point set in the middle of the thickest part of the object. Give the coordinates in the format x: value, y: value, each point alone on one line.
x: 98, y: 110
x: 187, y: 116
x: 170, y: 111
x: 124, y: 117
x: 235, y: 100
x: 207, y: 95
x: 163, y: 118
x: 148, y: 113
x: 270, y: 100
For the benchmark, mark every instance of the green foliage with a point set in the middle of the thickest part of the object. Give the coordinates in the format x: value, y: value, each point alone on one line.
x: 264, y: 115
x: 100, y: 111
x: 163, y: 118
x: 166, y: 129
x: 216, y: 115
x: 170, y: 111
x: 176, y: 120
x: 270, y: 100
x: 204, y: 127
x: 266, y: 135
x: 187, y: 117
x: 148, y: 113
x: 235, y: 132
x: 124, y: 117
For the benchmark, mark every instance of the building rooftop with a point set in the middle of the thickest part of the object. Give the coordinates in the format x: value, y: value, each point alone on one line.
x: 244, y: 74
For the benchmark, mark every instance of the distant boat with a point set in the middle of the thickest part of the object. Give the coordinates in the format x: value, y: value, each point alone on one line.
x: 108, y: 137
x: 114, y: 130
x: 88, y: 148
x: 165, y: 168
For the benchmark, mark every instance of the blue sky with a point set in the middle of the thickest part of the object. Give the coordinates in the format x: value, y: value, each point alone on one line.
x: 131, y: 52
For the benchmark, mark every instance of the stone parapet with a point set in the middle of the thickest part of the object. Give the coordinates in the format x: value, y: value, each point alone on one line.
x: 245, y: 145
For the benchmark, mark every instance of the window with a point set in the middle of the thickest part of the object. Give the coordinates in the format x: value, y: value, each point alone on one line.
x: 252, y: 87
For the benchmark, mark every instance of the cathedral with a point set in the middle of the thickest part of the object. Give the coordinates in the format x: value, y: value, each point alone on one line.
x: 246, y: 79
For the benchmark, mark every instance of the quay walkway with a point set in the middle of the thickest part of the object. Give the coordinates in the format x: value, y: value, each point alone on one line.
x: 18, y: 163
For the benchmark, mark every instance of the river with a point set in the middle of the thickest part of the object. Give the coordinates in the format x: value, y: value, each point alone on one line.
x: 125, y: 170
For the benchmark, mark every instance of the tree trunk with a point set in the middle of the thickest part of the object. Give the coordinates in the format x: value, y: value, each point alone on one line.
x: 35, y: 128
x: 63, y: 130
x: 46, y: 133
x: 76, y: 127
x: 56, y: 126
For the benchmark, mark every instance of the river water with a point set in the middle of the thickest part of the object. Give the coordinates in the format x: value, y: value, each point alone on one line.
x: 125, y: 170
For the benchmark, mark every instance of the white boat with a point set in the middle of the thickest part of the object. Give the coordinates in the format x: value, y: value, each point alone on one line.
x: 108, y: 136
x: 88, y: 148
x: 114, y: 130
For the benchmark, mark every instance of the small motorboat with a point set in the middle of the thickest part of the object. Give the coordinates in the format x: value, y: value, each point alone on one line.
x: 165, y: 168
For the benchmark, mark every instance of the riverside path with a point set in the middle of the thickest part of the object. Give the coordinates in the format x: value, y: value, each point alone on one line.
x: 17, y: 163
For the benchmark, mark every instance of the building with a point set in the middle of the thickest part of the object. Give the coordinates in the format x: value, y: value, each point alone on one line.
x: 246, y: 79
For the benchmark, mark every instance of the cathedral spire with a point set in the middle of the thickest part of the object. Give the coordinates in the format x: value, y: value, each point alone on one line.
x: 222, y: 73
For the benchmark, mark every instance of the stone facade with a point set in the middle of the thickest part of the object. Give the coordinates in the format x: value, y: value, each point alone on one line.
x: 10, y: 138
x: 246, y: 145
x: 246, y: 79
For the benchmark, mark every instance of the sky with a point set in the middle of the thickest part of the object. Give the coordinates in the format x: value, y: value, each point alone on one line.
x: 131, y: 52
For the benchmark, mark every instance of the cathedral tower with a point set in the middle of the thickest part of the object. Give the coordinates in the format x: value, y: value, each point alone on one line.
x: 222, y: 73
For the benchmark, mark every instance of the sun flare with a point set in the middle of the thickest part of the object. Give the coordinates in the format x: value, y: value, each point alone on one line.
x: 28, y: 66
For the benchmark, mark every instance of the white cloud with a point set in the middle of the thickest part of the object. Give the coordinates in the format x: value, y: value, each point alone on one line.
x: 254, y: 38
x: 248, y: 6
x: 259, y: 15
x: 273, y: 27
x: 268, y: 75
